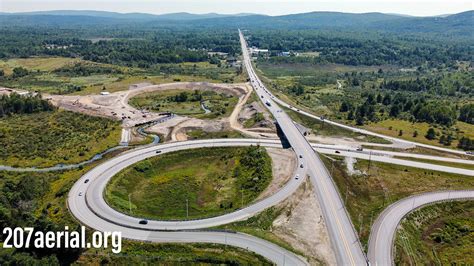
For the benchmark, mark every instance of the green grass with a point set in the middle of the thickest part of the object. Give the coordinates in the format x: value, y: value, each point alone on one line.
x: 391, y: 127
x: 257, y: 117
x: 201, y: 134
x: 173, y: 254
x: 220, y: 104
x: 368, y: 195
x: 213, y: 180
x: 440, y: 234
x: 48, y: 138
x: 325, y: 129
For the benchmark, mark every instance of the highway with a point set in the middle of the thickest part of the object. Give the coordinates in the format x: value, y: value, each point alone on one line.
x: 382, y: 235
x: 341, y: 231
x: 353, y: 129
x: 86, y: 203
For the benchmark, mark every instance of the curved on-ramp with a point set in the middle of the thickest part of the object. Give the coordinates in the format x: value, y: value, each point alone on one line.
x: 383, y: 231
x: 86, y: 203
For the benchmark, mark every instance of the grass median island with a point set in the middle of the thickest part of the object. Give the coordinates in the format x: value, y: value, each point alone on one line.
x: 185, y: 102
x: 441, y: 234
x: 214, y: 181
x: 366, y: 196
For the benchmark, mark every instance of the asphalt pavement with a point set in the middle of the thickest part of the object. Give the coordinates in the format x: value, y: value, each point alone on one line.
x: 341, y: 231
x: 382, y: 235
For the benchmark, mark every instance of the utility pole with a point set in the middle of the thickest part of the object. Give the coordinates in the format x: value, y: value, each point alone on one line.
x: 129, y: 203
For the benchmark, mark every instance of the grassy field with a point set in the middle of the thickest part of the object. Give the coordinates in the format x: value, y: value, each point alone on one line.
x: 391, y: 127
x: 220, y: 104
x: 307, y: 69
x: 367, y: 195
x: 36, y: 63
x: 320, y: 128
x: 48, y: 138
x: 159, y: 187
x: 174, y: 254
x: 45, y: 75
x: 201, y: 134
x: 440, y: 234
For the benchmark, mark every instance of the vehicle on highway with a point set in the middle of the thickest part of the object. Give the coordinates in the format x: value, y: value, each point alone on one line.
x: 359, y: 149
x: 337, y: 152
x: 297, y: 176
x: 143, y: 221
x: 86, y: 181
x: 469, y: 153
x: 261, y: 96
x: 301, y: 155
x: 157, y: 152
x: 301, y: 166
x: 268, y: 103
x: 80, y: 193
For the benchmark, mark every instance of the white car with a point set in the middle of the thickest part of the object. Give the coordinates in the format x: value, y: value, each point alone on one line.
x: 297, y: 176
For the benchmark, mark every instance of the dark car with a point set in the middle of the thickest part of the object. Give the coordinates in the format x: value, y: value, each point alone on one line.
x: 143, y: 222
x: 337, y: 152
x: 158, y: 152
x: 86, y: 181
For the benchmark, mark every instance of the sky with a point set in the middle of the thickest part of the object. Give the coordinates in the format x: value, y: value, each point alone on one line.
x: 269, y: 7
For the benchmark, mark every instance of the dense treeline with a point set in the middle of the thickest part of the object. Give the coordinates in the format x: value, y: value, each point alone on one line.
x: 20, y: 200
x: 400, y: 106
x: 466, y: 113
x: 18, y: 104
x: 431, y: 85
x: 186, y: 96
x: 360, y: 49
x: 81, y: 69
x: 121, y: 45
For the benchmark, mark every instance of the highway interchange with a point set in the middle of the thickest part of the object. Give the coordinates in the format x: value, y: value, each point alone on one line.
x: 86, y: 202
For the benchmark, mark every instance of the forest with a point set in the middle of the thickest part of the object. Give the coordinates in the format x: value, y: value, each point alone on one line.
x: 18, y: 104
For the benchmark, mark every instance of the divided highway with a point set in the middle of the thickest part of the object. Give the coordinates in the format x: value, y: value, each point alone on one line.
x: 341, y: 231
x: 382, y: 235
x: 353, y: 129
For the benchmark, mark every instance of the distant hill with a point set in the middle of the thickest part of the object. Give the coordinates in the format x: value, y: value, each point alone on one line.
x: 460, y: 24
x: 130, y: 16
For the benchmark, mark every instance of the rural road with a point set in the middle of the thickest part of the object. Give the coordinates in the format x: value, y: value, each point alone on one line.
x: 382, y: 235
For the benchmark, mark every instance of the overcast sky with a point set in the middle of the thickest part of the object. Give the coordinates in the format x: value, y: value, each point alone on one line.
x: 270, y: 7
